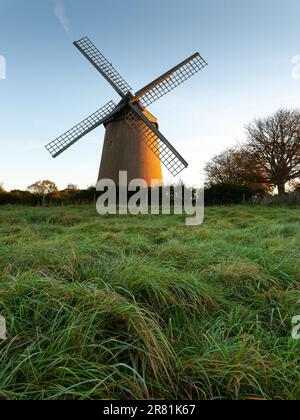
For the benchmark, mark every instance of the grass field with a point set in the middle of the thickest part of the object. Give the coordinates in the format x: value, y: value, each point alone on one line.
x: 144, y: 307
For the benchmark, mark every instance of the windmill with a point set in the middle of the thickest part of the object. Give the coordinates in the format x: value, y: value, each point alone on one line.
x: 133, y: 142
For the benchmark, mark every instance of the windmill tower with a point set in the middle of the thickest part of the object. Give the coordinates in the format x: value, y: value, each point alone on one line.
x: 132, y: 142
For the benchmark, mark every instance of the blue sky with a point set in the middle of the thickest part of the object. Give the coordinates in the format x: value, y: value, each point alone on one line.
x: 49, y: 86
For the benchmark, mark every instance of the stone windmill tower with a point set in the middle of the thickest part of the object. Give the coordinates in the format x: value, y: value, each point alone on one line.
x: 133, y: 142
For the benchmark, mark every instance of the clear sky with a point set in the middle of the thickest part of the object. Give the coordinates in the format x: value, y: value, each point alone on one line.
x: 49, y: 86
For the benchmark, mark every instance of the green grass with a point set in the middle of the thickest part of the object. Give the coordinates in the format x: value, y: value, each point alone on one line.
x: 144, y: 307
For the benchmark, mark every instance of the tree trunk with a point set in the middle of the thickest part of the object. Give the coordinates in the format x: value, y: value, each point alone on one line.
x: 281, y: 188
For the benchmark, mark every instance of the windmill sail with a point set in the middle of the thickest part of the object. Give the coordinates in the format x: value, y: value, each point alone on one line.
x: 59, y: 145
x: 91, y: 52
x: 155, y: 140
x: 170, y: 80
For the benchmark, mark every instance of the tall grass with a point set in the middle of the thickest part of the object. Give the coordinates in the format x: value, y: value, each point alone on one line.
x: 144, y: 307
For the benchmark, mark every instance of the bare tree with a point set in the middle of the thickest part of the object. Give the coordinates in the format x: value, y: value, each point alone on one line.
x: 72, y: 188
x: 235, y: 166
x: 42, y: 188
x: 274, y: 143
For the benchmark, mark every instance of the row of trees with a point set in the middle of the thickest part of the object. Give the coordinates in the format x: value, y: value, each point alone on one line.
x: 269, y: 159
x: 45, y: 193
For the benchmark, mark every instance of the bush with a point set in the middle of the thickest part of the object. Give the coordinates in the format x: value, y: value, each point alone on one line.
x: 292, y: 198
x: 220, y: 194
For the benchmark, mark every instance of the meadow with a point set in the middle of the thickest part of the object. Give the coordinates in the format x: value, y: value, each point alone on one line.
x: 140, y: 307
